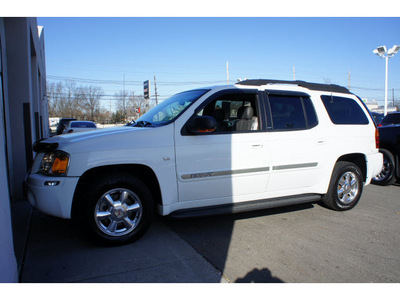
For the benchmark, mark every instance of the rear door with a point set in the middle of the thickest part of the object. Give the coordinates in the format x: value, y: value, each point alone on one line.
x: 297, y: 143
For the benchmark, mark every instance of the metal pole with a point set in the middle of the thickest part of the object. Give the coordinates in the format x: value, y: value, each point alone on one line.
x: 294, y: 73
x: 155, y: 88
x: 227, y: 72
x: 349, y: 80
x: 386, y: 85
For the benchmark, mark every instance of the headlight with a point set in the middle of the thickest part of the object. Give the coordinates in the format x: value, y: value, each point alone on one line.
x: 54, y: 164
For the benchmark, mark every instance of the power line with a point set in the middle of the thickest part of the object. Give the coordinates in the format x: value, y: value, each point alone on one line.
x: 139, y: 84
x: 131, y: 82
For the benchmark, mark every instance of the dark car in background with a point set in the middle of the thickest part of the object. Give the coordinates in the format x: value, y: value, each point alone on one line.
x: 377, y: 118
x: 63, y: 123
x: 391, y: 119
x: 389, y: 146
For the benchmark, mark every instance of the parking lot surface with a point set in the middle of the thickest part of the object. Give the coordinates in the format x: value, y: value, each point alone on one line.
x: 303, y: 243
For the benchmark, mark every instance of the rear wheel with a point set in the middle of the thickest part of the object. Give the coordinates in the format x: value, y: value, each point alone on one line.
x: 386, y: 176
x: 345, y: 188
x: 118, y: 209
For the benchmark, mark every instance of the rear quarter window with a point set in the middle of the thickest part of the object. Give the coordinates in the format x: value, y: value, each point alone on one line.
x: 344, y: 111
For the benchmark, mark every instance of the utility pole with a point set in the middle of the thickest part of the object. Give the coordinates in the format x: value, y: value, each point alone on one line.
x: 123, y: 101
x: 227, y: 72
x: 155, y: 89
x: 349, y: 80
x: 123, y: 84
x: 294, y: 73
x: 393, y: 96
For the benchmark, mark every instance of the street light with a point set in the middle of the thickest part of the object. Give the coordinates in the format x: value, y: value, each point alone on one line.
x: 381, y: 51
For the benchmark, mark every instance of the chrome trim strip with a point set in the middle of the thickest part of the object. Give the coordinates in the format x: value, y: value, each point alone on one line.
x: 295, y: 166
x: 223, y: 173
x: 245, y: 171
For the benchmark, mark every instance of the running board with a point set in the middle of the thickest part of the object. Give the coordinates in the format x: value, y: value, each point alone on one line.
x: 245, y: 206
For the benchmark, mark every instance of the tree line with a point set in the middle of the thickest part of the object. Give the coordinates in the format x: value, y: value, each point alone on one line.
x: 68, y: 100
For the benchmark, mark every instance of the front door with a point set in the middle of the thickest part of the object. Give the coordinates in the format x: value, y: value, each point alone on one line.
x: 229, y: 164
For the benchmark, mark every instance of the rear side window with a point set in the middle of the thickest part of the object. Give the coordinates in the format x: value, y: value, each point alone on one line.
x: 344, y: 111
x: 292, y: 112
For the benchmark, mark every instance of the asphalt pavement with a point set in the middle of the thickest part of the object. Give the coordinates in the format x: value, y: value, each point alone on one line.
x: 303, y: 243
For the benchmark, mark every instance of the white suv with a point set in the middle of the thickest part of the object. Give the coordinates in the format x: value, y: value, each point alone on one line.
x: 253, y: 145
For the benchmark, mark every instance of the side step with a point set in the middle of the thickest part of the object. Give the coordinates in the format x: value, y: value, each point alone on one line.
x: 245, y: 206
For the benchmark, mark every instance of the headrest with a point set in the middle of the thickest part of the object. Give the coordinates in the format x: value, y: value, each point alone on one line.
x: 218, y: 114
x: 248, y: 113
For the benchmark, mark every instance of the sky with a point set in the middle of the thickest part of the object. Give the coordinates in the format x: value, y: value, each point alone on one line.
x: 119, y: 53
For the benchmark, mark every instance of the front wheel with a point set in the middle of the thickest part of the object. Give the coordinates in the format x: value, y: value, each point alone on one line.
x: 117, y: 209
x: 345, y: 188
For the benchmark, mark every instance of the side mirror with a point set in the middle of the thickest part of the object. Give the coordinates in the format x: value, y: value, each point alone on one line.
x: 201, y: 124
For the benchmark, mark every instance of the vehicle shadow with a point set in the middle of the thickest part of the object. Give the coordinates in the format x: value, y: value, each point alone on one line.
x: 212, y: 237
x: 58, y: 251
x: 259, y: 276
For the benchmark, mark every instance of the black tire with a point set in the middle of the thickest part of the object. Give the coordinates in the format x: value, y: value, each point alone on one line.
x: 116, y: 209
x: 387, y: 175
x: 345, y: 188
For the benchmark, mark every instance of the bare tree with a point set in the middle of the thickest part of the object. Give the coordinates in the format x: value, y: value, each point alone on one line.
x: 122, y: 103
x: 54, y: 95
x: 137, y: 105
x: 89, y: 99
x: 69, y: 106
x: 66, y: 100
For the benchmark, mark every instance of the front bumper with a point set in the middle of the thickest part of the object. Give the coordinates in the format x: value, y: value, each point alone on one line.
x: 51, y: 195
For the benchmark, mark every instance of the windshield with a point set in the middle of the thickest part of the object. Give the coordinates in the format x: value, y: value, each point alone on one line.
x: 169, y: 109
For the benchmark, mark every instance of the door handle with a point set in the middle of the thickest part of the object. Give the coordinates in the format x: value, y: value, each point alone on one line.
x: 258, y: 146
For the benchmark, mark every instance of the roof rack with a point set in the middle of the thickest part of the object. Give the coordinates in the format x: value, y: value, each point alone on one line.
x: 308, y: 85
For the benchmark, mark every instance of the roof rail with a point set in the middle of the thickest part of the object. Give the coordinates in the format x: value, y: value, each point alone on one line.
x: 305, y: 84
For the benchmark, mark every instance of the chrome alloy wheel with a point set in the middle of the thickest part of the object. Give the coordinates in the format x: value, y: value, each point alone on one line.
x: 118, y: 212
x: 347, y: 188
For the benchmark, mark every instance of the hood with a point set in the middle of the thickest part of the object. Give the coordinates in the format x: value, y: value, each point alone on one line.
x: 90, y: 134
x: 103, y: 139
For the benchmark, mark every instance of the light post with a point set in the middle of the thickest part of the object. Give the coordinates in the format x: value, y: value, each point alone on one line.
x: 381, y: 51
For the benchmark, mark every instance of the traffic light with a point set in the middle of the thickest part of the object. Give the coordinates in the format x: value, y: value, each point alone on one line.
x: 146, y: 89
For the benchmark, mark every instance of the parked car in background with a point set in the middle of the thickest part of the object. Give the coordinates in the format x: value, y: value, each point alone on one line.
x: 62, y: 123
x: 391, y: 119
x: 389, y: 137
x: 130, y: 123
x: 377, y: 118
x: 79, y: 126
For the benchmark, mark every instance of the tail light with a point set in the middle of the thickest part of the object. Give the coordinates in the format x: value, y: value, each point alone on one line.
x: 377, y: 138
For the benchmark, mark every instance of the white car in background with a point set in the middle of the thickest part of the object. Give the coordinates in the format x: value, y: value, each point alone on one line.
x: 79, y: 126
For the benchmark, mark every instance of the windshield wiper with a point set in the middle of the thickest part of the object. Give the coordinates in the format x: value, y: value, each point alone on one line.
x: 142, y: 124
